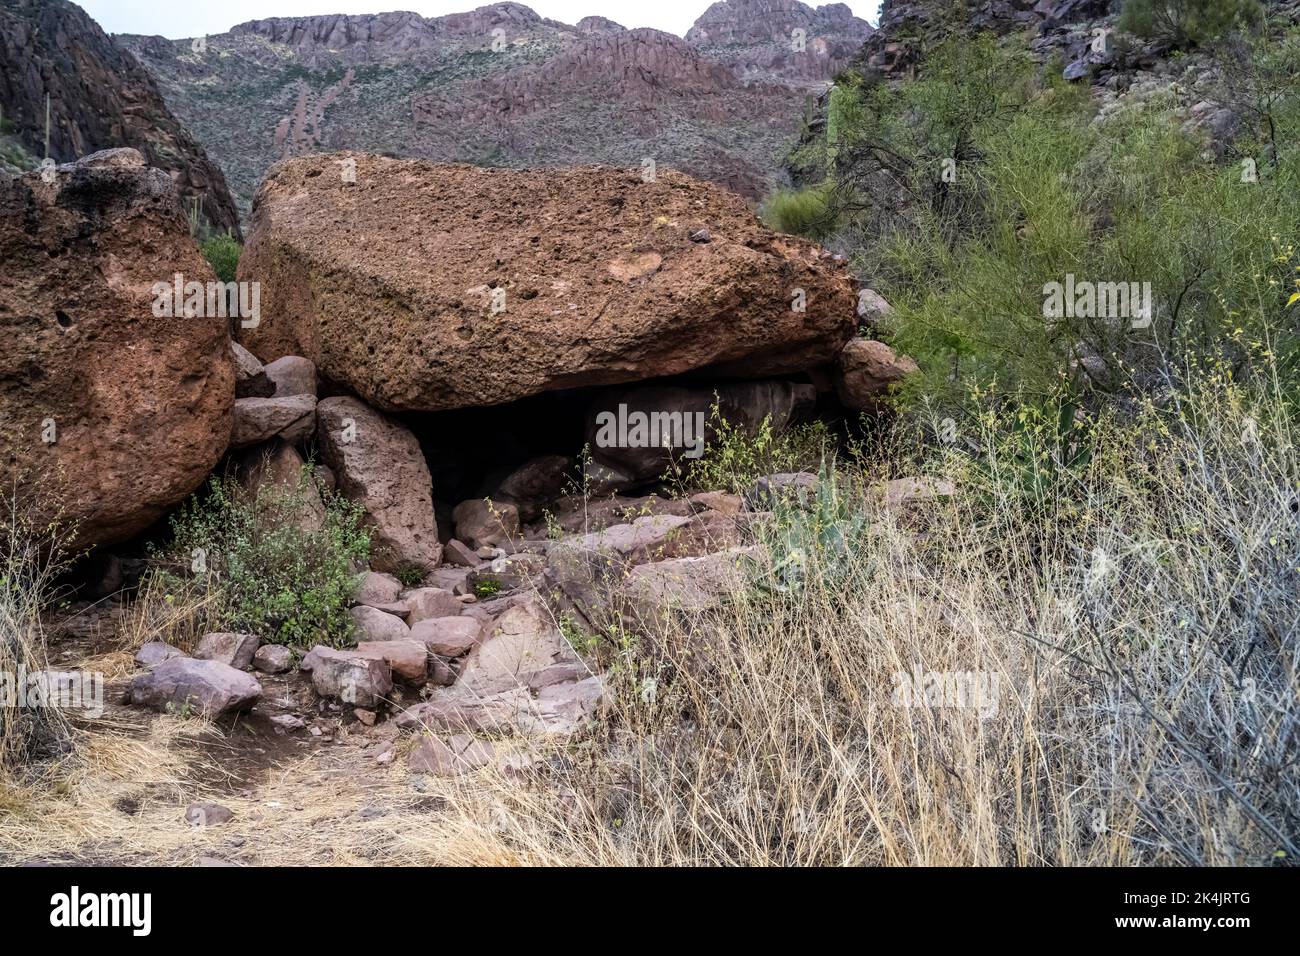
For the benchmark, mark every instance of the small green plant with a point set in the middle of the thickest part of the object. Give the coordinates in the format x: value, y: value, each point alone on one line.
x: 285, y: 565
x: 487, y: 588
x: 410, y: 576
x: 579, y: 639
x: 223, y: 252
x: 736, y: 457
x: 803, y: 212
x: 814, y: 535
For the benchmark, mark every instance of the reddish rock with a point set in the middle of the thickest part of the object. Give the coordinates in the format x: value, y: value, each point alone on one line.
x: 376, y: 625
x: 375, y: 589
x: 485, y: 524
x: 378, y: 463
x: 409, y: 659
x: 118, y: 412
x: 448, y: 636
x: 237, y: 650
x: 529, y: 296
x: 273, y: 659
x: 866, y: 370
x: 425, y: 603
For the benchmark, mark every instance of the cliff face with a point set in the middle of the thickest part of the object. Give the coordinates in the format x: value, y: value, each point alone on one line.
x: 501, y: 85
x: 100, y: 97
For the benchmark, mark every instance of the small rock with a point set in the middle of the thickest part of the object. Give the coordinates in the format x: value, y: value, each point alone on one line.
x: 430, y: 602
x: 457, y: 552
x: 155, y: 652
x: 207, y: 814
x: 209, y: 687
x: 374, y: 625
x: 273, y: 659
x: 375, y: 589
x: 480, y: 523
x: 357, y: 679
x: 288, y: 722
x: 237, y: 650
x: 448, y: 636
x: 292, y: 375
x: 261, y: 419
x: 250, y: 377
x: 408, y: 658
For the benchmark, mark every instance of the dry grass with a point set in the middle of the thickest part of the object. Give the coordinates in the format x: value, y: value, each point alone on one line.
x: 1139, y: 614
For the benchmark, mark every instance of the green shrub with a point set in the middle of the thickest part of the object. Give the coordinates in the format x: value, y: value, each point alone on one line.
x: 223, y: 252
x: 1187, y: 23
x: 1041, y: 189
x: 804, y: 212
x: 286, y: 572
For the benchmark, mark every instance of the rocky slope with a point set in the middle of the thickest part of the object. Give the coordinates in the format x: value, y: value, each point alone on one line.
x: 501, y: 85
x: 99, y: 98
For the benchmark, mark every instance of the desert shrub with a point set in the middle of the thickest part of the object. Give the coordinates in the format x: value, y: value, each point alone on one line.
x: 1186, y: 23
x: 987, y: 684
x: 222, y: 252
x: 734, y: 458
x: 803, y: 211
x: 285, y: 569
x: 813, y: 534
x: 1041, y: 189
x: 32, y: 557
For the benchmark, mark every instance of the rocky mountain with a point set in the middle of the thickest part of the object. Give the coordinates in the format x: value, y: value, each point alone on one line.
x: 501, y: 85
x: 99, y: 97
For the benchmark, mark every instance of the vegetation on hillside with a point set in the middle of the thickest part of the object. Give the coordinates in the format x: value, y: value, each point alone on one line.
x: 962, y: 194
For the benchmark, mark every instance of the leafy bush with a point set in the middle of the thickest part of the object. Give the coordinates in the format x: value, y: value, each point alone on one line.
x: 286, y: 568
x: 1038, y: 188
x: 222, y: 252
x: 801, y: 211
x: 1186, y: 23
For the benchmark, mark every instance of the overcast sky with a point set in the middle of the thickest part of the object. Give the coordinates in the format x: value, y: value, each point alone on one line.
x: 191, y: 18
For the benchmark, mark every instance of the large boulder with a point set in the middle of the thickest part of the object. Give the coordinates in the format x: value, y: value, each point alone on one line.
x: 424, y: 287
x: 120, y: 412
x: 378, y: 463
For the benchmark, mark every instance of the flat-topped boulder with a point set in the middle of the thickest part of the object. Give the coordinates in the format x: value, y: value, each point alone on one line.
x: 423, y: 286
